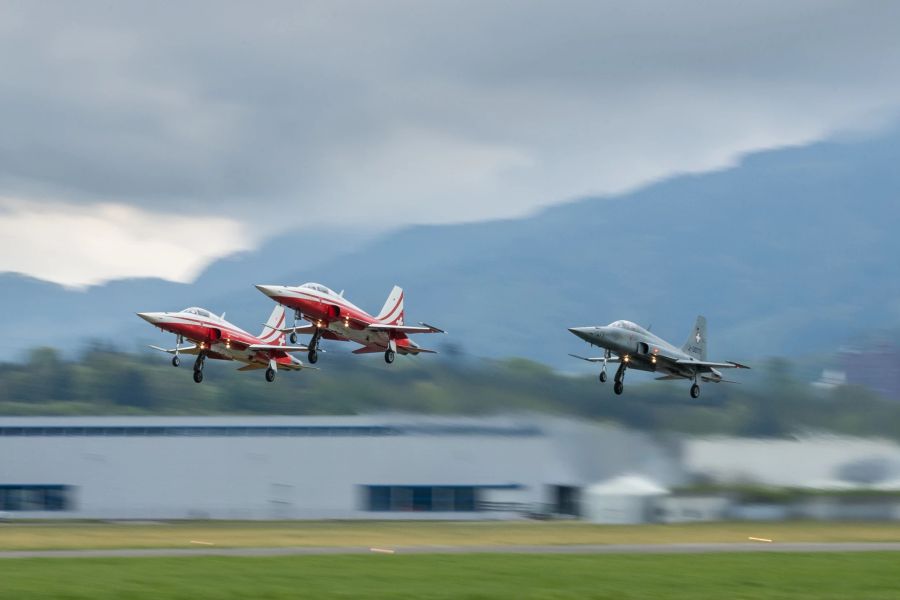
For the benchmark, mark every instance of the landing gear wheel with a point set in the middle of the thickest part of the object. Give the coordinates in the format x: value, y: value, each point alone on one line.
x: 176, y: 361
x: 389, y: 356
x: 602, y: 376
x: 270, y: 374
x: 695, y: 391
x: 198, y: 376
x: 313, y: 356
x: 293, y: 337
x: 618, y: 388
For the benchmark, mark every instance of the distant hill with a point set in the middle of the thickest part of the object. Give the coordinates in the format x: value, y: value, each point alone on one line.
x: 792, y: 251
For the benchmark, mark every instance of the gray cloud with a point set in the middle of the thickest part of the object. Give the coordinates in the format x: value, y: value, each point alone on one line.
x: 394, y: 112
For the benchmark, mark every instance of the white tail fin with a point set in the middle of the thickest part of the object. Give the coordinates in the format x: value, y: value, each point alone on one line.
x: 392, y: 311
x: 696, y: 342
x: 270, y: 333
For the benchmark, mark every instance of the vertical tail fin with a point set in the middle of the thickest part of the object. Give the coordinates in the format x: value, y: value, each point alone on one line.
x: 270, y: 333
x: 696, y: 342
x: 392, y: 311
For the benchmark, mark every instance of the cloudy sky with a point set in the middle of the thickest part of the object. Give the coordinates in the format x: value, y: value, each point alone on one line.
x: 147, y: 138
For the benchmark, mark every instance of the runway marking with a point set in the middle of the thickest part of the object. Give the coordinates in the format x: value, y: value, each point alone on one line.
x: 707, y: 548
x: 201, y: 543
x: 382, y: 550
x: 756, y: 539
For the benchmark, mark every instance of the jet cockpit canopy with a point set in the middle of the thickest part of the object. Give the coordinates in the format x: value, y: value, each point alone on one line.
x: 318, y: 287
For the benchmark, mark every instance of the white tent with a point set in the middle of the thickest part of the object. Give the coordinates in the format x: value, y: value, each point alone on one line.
x: 621, y: 500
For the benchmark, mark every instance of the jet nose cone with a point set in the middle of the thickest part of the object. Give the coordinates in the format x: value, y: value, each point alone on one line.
x: 150, y: 317
x: 581, y: 332
x: 269, y: 290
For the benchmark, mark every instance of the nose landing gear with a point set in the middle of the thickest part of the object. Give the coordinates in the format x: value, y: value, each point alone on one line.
x: 297, y: 317
x: 603, y: 370
x: 178, y: 341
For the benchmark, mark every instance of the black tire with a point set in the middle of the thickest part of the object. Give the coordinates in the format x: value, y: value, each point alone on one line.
x: 618, y: 388
x: 176, y: 361
x: 602, y: 376
x: 198, y: 376
x: 695, y: 391
x: 389, y: 356
x: 270, y: 374
x: 313, y: 356
x: 293, y: 337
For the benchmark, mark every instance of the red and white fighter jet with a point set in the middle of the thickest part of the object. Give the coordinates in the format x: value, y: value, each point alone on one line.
x: 333, y: 317
x: 216, y: 338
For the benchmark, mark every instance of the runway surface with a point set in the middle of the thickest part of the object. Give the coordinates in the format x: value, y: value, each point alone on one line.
x: 741, y: 547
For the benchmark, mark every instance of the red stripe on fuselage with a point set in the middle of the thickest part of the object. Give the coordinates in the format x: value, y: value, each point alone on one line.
x: 202, y: 332
x: 316, y: 308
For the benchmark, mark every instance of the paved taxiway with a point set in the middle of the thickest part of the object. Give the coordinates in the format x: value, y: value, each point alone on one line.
x: 580, y: 549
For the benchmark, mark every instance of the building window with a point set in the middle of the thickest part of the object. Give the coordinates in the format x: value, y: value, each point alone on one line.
x: 421, y: 498
x: 36, y: 497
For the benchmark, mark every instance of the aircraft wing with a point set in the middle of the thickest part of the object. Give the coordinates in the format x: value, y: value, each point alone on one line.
x: 252, y: 367
x: 368, y: 350
x: 709, y: 379
x: 610, y: 360
x: 414, y: 350
x: 400, y: 349
x: 192, y: 349
x: 711, y: 365
x: 291, y: 367
x: 423, y: 328
x: 308, y: 328
x: 263, y: 347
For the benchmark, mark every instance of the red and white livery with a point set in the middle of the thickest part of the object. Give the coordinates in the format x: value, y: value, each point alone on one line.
x: 214, y: 337
x: 333, y: 317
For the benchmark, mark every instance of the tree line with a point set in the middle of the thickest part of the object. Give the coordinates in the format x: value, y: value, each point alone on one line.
x: 104, y: 381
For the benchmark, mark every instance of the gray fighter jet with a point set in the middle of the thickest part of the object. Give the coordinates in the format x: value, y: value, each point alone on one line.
x: 633, y: 347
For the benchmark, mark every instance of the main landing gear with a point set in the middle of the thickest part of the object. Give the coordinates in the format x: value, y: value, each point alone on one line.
x: 313, y: 354
x: 198, y: 367
x: 176, y: 361
x: 389, y: 356
x: 619, y: 385
x: 695, y: 390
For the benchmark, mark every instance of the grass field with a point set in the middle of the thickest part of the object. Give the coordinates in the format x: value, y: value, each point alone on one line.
x: 678, y: 577
x: 73, y: 535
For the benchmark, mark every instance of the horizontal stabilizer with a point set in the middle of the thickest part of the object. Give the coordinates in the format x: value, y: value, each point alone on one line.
x: 610, y: 360
x: 192, y: 349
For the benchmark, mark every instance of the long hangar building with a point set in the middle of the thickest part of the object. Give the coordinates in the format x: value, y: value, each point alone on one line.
x: 312, y: 467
